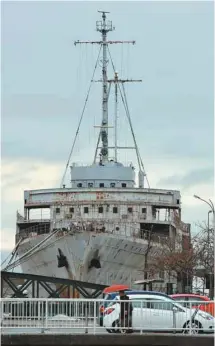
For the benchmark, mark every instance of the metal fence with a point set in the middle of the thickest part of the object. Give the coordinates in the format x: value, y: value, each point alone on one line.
x: 92, y: 316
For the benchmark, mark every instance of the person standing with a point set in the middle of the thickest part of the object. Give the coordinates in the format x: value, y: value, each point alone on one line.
x: 125, y: 312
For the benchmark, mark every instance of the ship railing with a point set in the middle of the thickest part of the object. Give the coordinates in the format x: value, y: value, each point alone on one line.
x: 35, y: 220
x: 147, y: 235
x: 33, y: 231
x: 95, y: 316
x: 120, y: 230
x: 72, y: 227
x: 118, y: 233
x: 87, y: 164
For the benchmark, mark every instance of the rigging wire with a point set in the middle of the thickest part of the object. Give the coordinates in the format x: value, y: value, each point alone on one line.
x: 140, y: 162
x: 26, y: 256
x: 5, y: 260
x: 29, y: 251
x: 129, y: 119
x: 12, y: 254
x: 82, y: 114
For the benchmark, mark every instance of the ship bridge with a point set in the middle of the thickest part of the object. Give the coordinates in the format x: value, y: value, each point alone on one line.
x: 107, y: 175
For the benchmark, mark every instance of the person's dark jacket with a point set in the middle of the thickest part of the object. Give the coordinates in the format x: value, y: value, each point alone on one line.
x: 125, y: 307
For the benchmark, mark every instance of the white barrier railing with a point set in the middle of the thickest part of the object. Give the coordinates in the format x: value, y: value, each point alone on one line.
x: 97, y: 316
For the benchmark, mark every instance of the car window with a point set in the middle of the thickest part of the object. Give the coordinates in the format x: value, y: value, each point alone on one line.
x: 160, y: 304
x: 182, y: 300
x: 195, y: 299
x: 139, y: 303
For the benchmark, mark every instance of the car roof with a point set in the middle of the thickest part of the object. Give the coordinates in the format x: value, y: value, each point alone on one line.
x: 131, y: 292
x: 189, y: 295
x: 146, y: 296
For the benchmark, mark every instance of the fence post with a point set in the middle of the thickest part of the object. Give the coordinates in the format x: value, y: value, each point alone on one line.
x: 46, y: 314
x: 191, y: 319
x: 38, y: 311
x: 2, y: 312
x: 94, y: 316
x: 141, y: 318
x: 86, y: 317
x: 42, y: 316
x: 174, y: 318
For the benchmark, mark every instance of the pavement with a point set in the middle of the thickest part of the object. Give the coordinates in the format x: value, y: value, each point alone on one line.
x: 54, y: 326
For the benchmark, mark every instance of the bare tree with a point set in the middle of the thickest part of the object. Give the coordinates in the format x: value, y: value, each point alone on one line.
x: 205, y: 264
x: 182, y: 264
x: 178, y: 262
x: 146, y: 256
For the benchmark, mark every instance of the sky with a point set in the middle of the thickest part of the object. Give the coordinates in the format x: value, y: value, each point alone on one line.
x: 45, y: 79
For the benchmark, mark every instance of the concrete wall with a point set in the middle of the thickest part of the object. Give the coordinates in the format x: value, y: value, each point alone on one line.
x: 107, y: 340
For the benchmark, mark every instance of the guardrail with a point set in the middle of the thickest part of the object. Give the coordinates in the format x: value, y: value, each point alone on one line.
x: 88, y: 316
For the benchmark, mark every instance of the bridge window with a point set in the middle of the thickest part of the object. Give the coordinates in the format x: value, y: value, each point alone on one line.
x: 112, y: 184
x: 86, y: 210
x: 79, y: 185
x: 57, y: 210
x: 90, y: 184
x: 115, y: 210
x: 101, y: 185
x: 71, y: 210
x: 100, y: 210
x: 130, y: 210
x: 144, y: 210
x: 124, y: 185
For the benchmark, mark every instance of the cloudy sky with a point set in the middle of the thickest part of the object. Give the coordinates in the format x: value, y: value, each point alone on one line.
x: 45, y: 80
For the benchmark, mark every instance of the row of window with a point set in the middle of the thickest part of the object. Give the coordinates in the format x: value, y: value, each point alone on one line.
x: 151, y: 303
x: 100, y: 210
x: 101, y: 185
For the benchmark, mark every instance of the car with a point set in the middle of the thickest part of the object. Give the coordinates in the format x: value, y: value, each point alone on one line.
x: 158, y: 312
x: 111, y: 296
x: 195, y: 301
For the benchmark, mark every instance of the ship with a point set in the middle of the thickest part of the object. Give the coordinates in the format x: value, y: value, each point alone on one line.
x: 99, y: 227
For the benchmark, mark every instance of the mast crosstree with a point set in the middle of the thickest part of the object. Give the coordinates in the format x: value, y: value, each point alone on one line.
x: 104, y: 27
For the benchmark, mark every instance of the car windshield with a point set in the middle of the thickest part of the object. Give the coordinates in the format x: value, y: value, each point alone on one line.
x: 106, y: 296
x: 114, y: 301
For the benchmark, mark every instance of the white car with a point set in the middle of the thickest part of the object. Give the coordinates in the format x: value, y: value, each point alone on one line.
x: 159, y: 313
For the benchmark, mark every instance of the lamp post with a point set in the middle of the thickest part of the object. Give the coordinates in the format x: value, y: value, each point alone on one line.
x: 212, y: 210
x: 211, y: 205
x: 209, y: 212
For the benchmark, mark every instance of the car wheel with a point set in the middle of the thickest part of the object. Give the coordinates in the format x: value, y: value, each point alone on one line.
x: 123, y: 331
x: 115, y: 325
x: 109, y: 330
x: 195, y: 328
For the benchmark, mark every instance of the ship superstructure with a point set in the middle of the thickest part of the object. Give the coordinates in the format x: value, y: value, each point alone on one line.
x: 99, y: 228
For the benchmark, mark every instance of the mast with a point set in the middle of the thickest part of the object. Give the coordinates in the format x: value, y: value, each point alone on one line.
x: 104, y: 27
x: 116, y: 113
